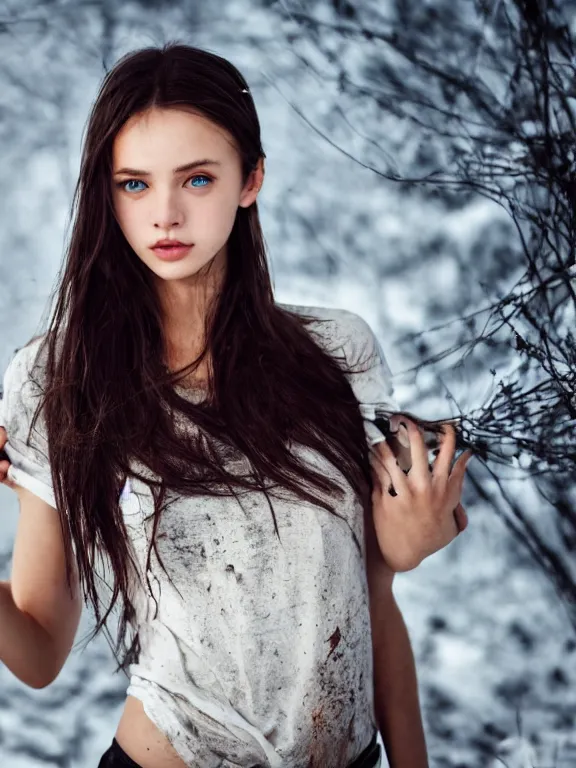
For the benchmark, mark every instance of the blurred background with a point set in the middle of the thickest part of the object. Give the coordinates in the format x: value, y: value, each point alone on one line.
x: 420, y: 172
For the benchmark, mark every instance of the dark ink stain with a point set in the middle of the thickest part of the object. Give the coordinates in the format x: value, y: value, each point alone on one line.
x: 334, y: 640
x: 317, y: 718
x: 351, y: 727
x: 318, y: 723
x: 230, y: 569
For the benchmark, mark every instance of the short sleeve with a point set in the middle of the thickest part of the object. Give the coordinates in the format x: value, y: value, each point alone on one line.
x: 28, y: 454
x: 349, y: 337
x: 371, y: 380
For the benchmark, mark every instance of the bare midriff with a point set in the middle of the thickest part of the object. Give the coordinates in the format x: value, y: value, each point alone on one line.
x: 141, y: 739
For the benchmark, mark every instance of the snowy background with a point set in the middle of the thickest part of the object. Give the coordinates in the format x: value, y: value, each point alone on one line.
x: 495, y: 652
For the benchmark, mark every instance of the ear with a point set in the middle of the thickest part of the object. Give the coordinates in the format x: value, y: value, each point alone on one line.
x: 253, y: 184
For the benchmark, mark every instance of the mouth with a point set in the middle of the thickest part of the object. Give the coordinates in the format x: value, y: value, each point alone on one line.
x: 171, y: 252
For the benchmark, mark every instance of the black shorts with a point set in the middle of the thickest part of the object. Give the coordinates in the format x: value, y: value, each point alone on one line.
x: 115, y: 757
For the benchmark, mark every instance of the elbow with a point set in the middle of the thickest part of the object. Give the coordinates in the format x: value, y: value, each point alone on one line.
x: 42, y: 679
x: 52, y: 662
x: 51, y: 674
x: 37, y: 682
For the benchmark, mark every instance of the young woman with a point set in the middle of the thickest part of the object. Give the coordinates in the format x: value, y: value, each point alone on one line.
x: 212, y: 447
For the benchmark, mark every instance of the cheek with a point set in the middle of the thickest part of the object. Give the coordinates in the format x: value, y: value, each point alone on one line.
x: 227, y: 214
x: 128, y: 219
x: 217, y: 220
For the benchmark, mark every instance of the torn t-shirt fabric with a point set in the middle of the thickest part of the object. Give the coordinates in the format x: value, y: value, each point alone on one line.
x: 258, y: 650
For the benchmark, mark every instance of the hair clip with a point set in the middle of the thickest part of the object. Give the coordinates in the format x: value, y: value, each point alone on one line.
x: 244, y: 90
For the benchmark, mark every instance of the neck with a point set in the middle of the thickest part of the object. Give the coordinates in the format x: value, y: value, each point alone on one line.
x: 185, y: 305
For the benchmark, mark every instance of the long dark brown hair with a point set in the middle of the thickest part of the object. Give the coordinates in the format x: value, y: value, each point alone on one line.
x: 109, y: 402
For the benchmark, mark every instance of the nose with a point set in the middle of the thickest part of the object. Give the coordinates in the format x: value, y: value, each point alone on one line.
x: 168, y: 213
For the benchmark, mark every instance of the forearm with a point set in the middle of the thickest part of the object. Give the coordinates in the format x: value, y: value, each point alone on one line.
x: 25, y: 646
x: 396, y: 700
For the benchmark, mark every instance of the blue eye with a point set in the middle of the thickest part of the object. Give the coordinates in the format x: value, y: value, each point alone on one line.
x: 201, y: 176
x: 124, y: 184
x: 130, y: 181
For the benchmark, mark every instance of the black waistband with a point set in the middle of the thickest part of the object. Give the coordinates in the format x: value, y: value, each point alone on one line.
x: 115, y: 756
x: 369, y: 757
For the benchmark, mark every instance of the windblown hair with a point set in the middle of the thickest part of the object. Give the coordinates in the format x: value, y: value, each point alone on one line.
x: 109, y: 402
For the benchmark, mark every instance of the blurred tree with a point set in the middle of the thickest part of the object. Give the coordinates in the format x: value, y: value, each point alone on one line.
x: 459, y: 100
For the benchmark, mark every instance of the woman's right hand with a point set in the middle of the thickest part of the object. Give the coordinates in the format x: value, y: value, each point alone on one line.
x: 5, y: 463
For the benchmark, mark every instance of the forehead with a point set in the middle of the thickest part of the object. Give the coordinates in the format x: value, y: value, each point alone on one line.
x: 165, y: 135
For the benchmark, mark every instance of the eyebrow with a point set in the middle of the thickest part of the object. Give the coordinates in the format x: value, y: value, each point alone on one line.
x: 180, y: 169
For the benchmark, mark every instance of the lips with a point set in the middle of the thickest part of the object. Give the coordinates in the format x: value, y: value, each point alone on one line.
x: 171, y: 252
x: 166, y: 241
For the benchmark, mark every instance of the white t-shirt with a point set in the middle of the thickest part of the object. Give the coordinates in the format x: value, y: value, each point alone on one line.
x: 261, y: 651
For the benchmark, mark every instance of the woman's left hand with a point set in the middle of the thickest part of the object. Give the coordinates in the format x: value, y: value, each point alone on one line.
x: 426, y: 514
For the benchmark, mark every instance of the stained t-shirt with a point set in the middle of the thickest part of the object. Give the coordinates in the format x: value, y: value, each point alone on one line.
x: 260, y: 652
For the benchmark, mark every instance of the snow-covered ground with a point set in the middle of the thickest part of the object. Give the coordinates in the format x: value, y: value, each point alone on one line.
x: 495, y: 653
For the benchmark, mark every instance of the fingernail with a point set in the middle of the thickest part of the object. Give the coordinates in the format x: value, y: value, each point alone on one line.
x: 403, y: 437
